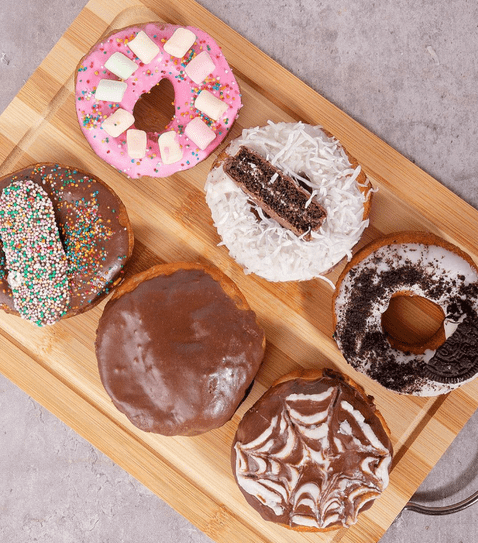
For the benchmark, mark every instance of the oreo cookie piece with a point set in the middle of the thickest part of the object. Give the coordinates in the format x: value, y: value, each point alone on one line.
x: 457, y: 359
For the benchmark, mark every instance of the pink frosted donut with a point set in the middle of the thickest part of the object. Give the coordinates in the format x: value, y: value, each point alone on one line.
x: 111, y: 78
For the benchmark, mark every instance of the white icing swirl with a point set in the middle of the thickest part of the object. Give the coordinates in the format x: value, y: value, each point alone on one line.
x: 297, y: 467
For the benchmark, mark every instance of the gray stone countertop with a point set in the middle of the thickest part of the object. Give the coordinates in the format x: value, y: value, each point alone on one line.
x: 408, y: 71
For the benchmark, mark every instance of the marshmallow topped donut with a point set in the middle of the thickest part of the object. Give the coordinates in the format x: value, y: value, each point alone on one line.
x: 320, y: 174
x: 410, y: 264
x: 123, y: 66
x: 313, y: 452
x: 65, y: 238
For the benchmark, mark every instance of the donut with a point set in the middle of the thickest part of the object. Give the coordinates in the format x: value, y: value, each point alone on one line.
x: 308, y: 180
x: 130, y: 62
x: 410, y: 264
x: 65, y: 238
x: 178, y: 348
x: 313, y: 452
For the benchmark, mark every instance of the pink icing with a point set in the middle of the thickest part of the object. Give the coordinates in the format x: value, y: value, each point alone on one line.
x: 91, y: 112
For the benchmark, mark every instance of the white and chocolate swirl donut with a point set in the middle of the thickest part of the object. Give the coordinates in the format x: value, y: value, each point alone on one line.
x: 410, y: 264
x: 313, y: 452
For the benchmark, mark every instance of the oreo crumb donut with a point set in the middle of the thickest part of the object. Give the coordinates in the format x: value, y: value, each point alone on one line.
x: 128, y: 63
x: 412, y: 264
x: 315, y: 164
x: 313, y: 452
x: 178, y: 349
x: 65, y: 239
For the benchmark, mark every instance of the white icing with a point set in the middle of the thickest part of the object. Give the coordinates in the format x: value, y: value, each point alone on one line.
x: 302, y: 520
x: 265, y: 495
x: 365, y: 427
x: 345, y: 428
x: 311, y: 397
x: 262, y: 438
x: 311, y: 489
x: 338, y: 444
x: 315, y: 418
x: 383, y: 470
x: 289, y: 445
x: 266, y: 248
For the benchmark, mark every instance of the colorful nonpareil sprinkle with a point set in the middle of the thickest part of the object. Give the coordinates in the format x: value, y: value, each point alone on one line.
x: 35, y: 259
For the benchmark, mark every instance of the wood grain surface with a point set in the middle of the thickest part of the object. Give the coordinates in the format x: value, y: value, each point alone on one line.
x: 171, y: 222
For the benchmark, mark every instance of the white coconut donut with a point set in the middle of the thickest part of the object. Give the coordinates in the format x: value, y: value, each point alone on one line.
x: 259, y: 243
x: 413, y: 264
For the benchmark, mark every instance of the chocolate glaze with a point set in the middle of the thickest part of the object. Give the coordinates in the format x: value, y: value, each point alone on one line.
x: 330, y: 468
x: 94, y: 229
x: 176, y: 355
x: 284, y: 199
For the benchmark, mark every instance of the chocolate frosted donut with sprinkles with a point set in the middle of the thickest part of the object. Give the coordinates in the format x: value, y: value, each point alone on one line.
x: 65, y: 239
x: 127, y: 64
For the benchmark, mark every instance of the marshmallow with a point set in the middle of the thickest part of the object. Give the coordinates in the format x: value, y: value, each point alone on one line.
x: 199, y: 133
x: 211, y: 106
x: 110, y: 90
x: 143, y: 47
x: 117, y: 123
x: 136, y: 143
x: 180, y: 42
x: 121, y: 65
x: 200, y: 67
x: 169, y: 148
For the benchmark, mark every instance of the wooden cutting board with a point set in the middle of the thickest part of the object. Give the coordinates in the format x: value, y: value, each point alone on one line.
x: 171, y: 221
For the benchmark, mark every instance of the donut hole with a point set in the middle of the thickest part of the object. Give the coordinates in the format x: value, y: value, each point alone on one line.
x: 155, y: 109
x: 413, y: 323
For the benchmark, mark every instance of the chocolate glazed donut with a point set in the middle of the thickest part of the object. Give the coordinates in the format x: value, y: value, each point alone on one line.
x: 178, y: 348
x: 94, y: 229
